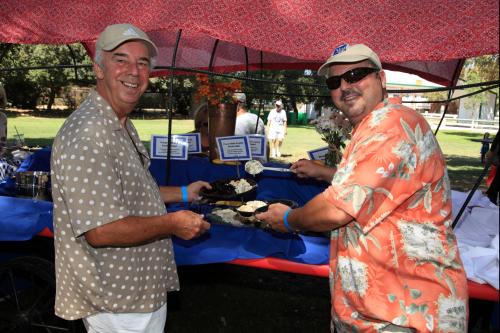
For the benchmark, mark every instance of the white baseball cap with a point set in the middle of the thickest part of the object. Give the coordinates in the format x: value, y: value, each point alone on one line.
x: 116, y: 34
x: 240, y: 97
x: 280, y: 103
x: 346, y: 53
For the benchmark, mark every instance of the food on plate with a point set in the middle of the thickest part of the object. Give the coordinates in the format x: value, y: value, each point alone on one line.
x: 241, y: 185
x: 237, y: 189
x: 290, y: 203
x: 228, y: 203
x: 225, y: 214
x: 251, y: 206
x: 228, y: 216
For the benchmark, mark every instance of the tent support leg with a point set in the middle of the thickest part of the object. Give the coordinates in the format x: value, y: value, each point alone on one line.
x: 170, y: 109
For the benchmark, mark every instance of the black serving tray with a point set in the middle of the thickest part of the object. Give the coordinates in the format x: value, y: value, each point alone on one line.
x: 221, y: 190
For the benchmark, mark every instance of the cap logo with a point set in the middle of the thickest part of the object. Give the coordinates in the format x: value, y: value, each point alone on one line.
x: 340, y: 49
x: 130, y: 32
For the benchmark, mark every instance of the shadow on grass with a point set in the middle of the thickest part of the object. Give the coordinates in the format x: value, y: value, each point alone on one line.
x: 301, y: 126
x: 470, y: 136
x: 41, y: 142
x: 464, y: 172
x: 464, y: 134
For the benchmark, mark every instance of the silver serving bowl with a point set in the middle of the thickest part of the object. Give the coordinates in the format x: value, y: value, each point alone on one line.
x: 33, y: 184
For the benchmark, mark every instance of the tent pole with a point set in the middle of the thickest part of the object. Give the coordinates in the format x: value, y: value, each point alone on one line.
x: 247, y: 75
x: 261, y: 90
x: 456, y: 75
x: 450, y: 93
x: 471, y: 194
x: 259, y: 113
x: 170, y: 109
x: 247, y: 69
x: 476, y: 185
x: 212, y: 56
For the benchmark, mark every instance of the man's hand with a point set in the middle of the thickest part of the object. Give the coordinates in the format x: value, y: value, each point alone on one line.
x: 194, y: 188
x: 310, y: 169
x: 274, y: 217
x: 188, y: 225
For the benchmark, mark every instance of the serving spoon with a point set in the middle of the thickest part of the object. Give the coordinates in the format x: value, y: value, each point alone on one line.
x: 254, y: 167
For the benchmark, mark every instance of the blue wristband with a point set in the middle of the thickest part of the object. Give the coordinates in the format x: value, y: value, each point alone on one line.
x: 285, y: 221
x: 184, y: 190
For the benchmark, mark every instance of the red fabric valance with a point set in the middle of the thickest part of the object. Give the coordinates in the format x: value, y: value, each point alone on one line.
x: 427, y: 37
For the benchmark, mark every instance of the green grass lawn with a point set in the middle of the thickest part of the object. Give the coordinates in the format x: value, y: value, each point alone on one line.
x: 462, y: 154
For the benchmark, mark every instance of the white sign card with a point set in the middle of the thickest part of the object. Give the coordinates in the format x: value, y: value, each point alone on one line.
x: 194, y: 141
x: 318, y: 154
x: 257, y: 146
x: 178, y: 148
x: 234, y: 148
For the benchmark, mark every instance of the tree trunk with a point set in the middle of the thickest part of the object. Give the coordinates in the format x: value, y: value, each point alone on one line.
x: 52, y: 97
x: 293, y: 100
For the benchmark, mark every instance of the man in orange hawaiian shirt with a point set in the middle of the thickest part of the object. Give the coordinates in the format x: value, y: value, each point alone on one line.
x: 394, y: 261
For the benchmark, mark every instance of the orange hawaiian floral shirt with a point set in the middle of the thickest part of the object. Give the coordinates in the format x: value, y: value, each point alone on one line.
x: 397, y: 263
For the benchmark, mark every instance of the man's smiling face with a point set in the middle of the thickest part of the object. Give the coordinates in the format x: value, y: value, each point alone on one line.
x: 357, y: 100
x: 123, y: 76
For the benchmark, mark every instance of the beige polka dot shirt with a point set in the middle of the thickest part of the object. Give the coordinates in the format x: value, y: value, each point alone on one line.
x: 98, y: 176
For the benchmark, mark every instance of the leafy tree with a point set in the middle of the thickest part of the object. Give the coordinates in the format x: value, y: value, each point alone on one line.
x: 285, y: 89
x: 480, y: 69
x: 21, y: 92
x: 295, y: 86
x: 183, y: 90
x: 26, y: 88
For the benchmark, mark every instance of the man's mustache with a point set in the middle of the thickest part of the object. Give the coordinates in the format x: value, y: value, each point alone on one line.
x: 348, y: 92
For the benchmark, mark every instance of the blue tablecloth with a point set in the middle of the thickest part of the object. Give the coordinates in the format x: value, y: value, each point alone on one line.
x: 21, y: 219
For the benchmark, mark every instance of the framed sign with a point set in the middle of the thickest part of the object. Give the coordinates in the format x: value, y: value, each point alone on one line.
x: 257, y: 146
x: 234, y: 148
x: 178, y: 148
x: 318, y: 154
x: 194, y: 142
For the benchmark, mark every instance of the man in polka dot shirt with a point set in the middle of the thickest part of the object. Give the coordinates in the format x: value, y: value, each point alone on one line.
x: 114, y: 256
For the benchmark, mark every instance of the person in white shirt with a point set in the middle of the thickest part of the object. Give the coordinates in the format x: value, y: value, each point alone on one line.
x: 276, y: 128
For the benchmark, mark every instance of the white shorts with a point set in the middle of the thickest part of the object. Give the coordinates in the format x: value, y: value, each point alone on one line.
x: 276, y: 133
x: 150, y: 322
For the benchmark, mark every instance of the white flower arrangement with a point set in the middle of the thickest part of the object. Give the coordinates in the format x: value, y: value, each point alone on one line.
x: 335, y: 130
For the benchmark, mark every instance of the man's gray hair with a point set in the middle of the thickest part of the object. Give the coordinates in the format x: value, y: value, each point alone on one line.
x: 98, y: 59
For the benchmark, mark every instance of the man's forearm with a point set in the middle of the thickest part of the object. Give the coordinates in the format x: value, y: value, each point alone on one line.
x: 171, y: 194
x: 326, y: 173
x: 131, y: 230
x: 318, y: 215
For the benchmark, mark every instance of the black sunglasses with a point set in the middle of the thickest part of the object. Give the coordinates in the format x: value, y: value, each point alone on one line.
x: 352, y: 76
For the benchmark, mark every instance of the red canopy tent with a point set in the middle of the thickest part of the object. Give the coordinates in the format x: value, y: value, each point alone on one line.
x: 429, y: 38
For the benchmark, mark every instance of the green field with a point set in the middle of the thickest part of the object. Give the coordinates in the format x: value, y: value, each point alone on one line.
x: 462, y: 154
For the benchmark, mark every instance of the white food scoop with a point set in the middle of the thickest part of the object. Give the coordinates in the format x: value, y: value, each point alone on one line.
x: 254, y: 167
